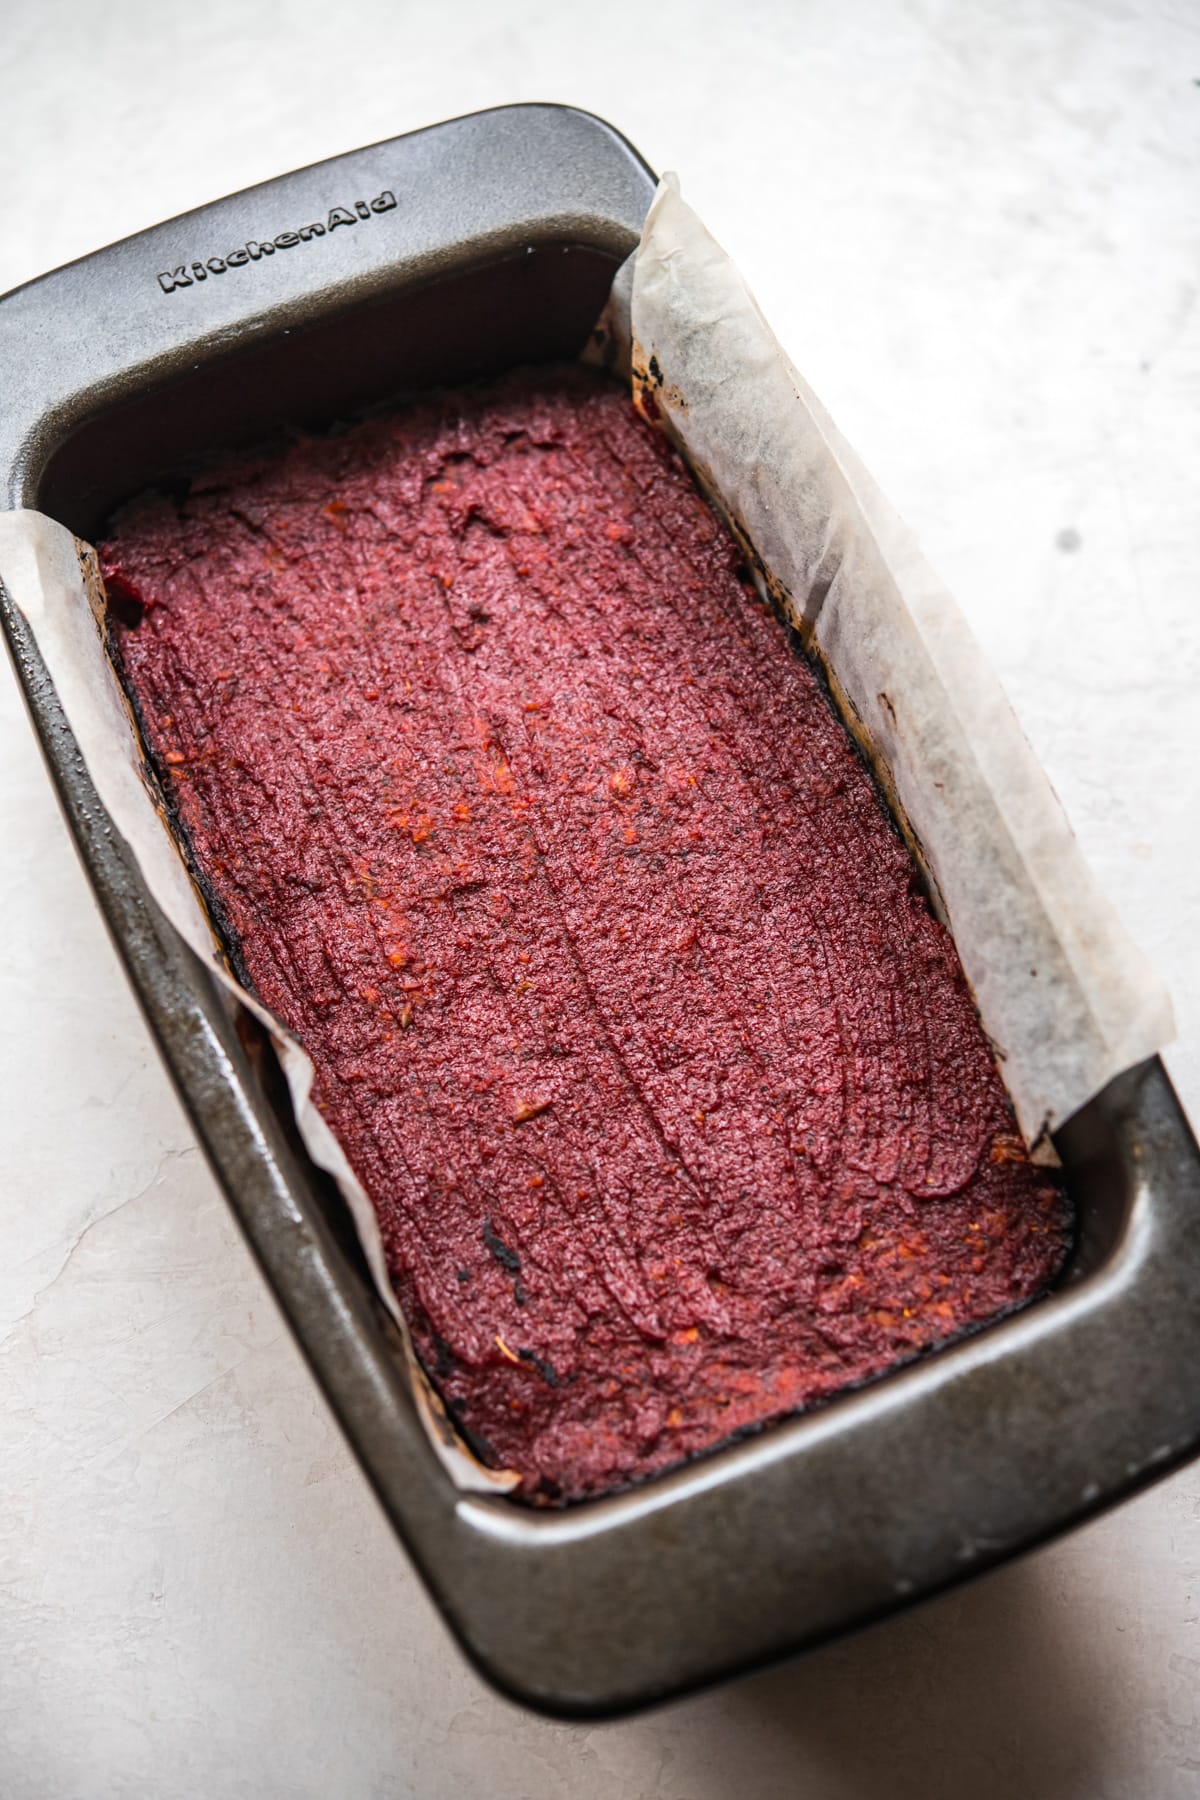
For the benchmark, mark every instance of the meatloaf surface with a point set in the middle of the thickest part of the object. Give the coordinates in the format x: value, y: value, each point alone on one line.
x: 517, y: 806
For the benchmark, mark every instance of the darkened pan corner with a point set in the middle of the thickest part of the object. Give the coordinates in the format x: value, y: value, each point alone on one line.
x: 500, y: 248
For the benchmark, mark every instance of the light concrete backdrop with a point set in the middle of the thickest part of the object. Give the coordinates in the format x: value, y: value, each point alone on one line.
x: 977, y: 230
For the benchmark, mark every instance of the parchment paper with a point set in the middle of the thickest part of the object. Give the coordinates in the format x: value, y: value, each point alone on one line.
x: 1065, y: 997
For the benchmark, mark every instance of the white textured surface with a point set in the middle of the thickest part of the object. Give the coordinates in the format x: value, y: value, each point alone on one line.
x: 990, y: 279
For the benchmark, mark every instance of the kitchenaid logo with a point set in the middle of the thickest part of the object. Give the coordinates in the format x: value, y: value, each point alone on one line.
x: 253, y: 250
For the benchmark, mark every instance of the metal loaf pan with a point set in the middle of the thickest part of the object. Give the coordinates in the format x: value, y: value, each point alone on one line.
x: 506, y: 230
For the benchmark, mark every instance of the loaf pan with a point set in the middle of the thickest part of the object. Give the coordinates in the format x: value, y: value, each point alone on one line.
x: 485, y: 242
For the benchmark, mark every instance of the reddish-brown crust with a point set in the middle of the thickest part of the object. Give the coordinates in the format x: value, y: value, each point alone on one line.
x: 529, y: 823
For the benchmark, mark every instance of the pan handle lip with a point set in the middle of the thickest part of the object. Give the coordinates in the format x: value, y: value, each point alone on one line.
x: 297, y: 249
x: 556, y: 114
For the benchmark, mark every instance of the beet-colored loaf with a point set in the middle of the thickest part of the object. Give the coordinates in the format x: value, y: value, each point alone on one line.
x: 525, y: 817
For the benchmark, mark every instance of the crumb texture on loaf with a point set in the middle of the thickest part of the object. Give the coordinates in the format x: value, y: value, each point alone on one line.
x: 527, y: 820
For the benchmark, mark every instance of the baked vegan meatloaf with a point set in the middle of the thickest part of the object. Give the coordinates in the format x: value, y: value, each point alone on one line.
x: 517, y: 806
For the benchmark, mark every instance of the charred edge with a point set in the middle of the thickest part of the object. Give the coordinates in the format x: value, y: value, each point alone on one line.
x: 546, y: 1370
x: 476, y: 1443
x: 508, y: 1259
x: 124, y: 603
